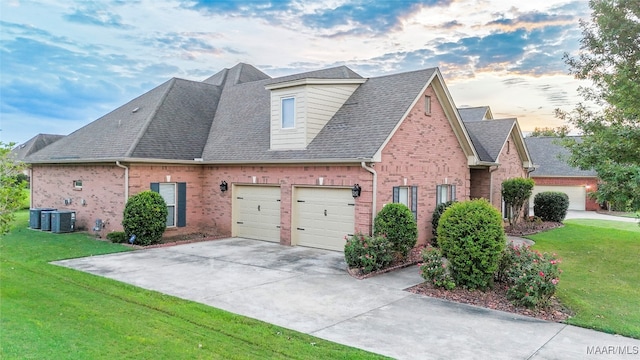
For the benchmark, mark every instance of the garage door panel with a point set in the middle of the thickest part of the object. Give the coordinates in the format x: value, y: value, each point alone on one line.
x: 577, y: 195
x: 257, y: 212
x: 323, y: 217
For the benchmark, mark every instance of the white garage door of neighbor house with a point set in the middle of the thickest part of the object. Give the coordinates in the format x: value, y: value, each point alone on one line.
x: 323, y: 217
x: 256, y: 212
x: 577, y: 195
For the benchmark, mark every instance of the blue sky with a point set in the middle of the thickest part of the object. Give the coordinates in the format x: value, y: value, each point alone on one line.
x: 64, y: 64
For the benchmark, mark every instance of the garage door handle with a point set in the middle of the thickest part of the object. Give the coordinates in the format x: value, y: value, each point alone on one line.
x: 239, y: 222
x: 301, y: 201
x: 351, y: 204
x: 300, y: 229
x: 258, y: 207
x: 325, y: 212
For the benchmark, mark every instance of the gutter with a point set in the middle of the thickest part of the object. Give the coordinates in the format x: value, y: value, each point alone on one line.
x: 374, y: 190
x: 126, y: 181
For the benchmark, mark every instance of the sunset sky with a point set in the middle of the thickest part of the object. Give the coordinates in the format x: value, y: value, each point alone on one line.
x: 64, y: 64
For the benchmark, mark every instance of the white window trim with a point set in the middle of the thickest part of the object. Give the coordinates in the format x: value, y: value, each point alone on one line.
x: 282, y: 112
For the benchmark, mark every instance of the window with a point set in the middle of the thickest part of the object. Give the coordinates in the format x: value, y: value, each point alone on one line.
x: 407, y: 195
x: 288, y: 113
x: 77, y: 184
x: 427, y: 105
x: 175, y: 195
x: 445, y: 193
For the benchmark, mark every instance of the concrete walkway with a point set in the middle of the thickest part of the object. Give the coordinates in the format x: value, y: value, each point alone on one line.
x: 308, y: 290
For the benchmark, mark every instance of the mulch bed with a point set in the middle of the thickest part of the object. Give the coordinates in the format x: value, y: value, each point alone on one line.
x: 531, y: 227
x: 414, y: 257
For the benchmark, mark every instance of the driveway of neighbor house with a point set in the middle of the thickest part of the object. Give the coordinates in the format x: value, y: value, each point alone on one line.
x: 308, y: 290
x: 576, y: 214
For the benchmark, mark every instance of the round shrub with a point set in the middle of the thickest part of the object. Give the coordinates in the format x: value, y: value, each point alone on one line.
x: 395, y: 222
x: 367, y: 253
x: 145, y: 216
x: 472, y: 239
x: 551, y: 205
x: 437, y: 213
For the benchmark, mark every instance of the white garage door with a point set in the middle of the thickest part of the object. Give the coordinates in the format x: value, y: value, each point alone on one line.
x: 577, y: 195
x: 323, y: 217
x: 256, y: 212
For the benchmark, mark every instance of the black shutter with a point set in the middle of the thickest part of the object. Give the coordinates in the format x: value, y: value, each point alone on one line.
x: 155, y: 187
x: 414, y: 202
x: 438, y: 199
x: 182, y: 205
x: 453, y: 193
x: 396, y: 194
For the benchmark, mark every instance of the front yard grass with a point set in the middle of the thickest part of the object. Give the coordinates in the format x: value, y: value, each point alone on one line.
x: 600, y: 282
x: 51, y: 312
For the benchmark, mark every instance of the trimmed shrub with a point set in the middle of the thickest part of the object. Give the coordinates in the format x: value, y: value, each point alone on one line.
x: 118, y: 237
x: 472, y: 239
x: 516, y: 192
x: 437, y: 213
x: 367, y: 253
x: 434, y: 270
x: 145, y: 216
x: 551, y: 205
x: 396, y: 223
x: 531, y: 277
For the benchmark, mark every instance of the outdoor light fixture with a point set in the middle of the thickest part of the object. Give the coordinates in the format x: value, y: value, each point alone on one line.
x: 223, y: 186
x: 355, y: 191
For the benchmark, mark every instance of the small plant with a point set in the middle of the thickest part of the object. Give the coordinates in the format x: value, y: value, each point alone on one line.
x: 367, y: 253
x: 531, y: 277
x: 472, y: 239
x: 118, y: 237
x: 395, y: 222
x: 551, y: 205
x: 145, y: 216
x: 435, y: 219
x: 434, y: 270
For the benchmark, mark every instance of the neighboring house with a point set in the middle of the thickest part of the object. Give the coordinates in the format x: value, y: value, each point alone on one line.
x: 242, y: 154
x: 553, y: 173
x: 498, y: 142
x: 33, y: 145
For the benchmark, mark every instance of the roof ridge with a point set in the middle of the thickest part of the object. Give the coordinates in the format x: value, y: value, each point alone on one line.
x: 149, y: 118
x: 407, y: 72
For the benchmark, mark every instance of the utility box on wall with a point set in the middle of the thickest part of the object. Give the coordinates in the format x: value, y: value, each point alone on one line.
x: 63, y: 221
x: 34, y: 216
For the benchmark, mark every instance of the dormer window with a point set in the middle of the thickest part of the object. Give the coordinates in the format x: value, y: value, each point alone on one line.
x: 288, y: 113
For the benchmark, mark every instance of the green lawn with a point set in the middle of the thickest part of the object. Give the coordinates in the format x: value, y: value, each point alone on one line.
x: 600, y: 282
x: 51, y: 312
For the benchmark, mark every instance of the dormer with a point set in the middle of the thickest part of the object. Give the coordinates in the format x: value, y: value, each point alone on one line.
x: 300, y: 108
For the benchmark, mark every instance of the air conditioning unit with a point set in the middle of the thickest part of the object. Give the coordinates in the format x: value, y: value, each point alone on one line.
x: 34, y: 216
x: 45, y: 220
x: 63, y: 221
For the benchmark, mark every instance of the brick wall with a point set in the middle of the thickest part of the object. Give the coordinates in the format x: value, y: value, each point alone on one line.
x: 101, y: 196
x: 590, y: 182
x: 510, y: 167
x: 425, y: 152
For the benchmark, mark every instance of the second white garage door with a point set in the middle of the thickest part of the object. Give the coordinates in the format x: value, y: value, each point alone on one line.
x: 322, y: 217
x: 577, y: 195
x: 256, y: 212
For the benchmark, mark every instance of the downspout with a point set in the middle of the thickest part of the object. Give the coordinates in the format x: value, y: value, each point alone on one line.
x: 375, y: 192
x: 126, y: 180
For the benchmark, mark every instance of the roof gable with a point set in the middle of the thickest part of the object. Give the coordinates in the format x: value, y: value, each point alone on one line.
x: 478, y: 113
x: 549, y: 158
x: 33, y: 145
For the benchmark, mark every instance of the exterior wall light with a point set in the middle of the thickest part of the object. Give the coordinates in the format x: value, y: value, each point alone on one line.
x: 355, y: 190
x: 223, y: 186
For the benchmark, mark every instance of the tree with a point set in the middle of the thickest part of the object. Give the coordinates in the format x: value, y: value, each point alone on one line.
x: 515, y: 193
x: 560, y: 131
x: 11, y: 187
x: 609, y: 58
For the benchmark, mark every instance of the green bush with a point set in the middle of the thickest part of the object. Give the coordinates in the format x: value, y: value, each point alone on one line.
x: 551, y: 205
x: 395, y: 221
x: 118, y: 237
x: 145, y: 216
x: 531, y: 277
x: 472, y: 239
x: 515, y: 193
x: 434, y: 269
x: 367, y: 253
x: 437, y: 213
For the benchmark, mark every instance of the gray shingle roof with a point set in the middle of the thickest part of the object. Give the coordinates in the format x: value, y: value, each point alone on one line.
x: 241, y: 129
x: 33, y: 145
x: 473, y: 113
x: 489, y: 136
x: 549, y: 157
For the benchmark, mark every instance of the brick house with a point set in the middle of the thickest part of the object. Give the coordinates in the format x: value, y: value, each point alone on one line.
x: 553, y: 173
x: 277, y: 159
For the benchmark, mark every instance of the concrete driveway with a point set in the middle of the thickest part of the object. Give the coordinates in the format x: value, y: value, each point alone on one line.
x: 576, y: 214
x: 308, y: 290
